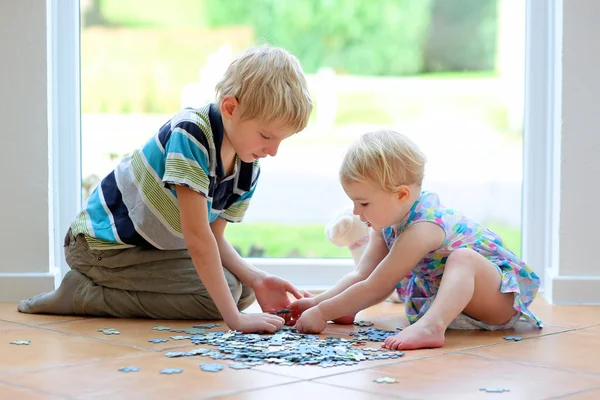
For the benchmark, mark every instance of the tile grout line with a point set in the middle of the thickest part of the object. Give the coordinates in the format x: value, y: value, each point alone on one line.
x: 67, y: 365
x: 291, y: 383
x: 566, y: 396
x: 591, y: 374
x: 35, y: 390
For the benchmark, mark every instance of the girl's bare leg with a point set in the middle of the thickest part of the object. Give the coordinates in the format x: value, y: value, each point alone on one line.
x: 470, y: 284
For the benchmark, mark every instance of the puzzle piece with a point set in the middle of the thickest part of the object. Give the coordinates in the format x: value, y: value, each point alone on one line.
x: 494, y: 390
x: 206, y: 326
x: 513, y: 338
x: 170, y: 371
x: 161, y: 328
x: 239, y: 366
x: 129, y: 369
x: 158, y: 340
x: 175, y: 354
x: 21, y: 342
x: 386, y: 379
x: 283, y: 311
x: 363, y: 323
x: 109, y: 331
x: 212, y: 367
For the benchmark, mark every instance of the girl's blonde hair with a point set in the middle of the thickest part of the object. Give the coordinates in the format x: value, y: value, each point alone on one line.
x: 386, y: 159
x: 269, y: 84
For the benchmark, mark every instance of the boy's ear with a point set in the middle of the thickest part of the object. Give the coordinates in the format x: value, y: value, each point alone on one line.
x: 403, y: 192
x: 228, y: 106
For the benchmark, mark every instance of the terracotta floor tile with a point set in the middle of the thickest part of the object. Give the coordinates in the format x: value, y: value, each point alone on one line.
x: 8, y: 312
x: 460, y: 376
x: 135, y: 332
x: 102, y: 380
x: 49, y: 348
x: 304, y: 391
x: 12, y: 392
x: 575, y: 350
x: 570, y: 316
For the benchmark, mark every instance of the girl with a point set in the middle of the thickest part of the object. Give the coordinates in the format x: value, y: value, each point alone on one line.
x: 461, y: 274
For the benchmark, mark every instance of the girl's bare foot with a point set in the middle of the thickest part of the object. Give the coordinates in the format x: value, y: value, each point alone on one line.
x: 421, y: 335
x: 59, y: 301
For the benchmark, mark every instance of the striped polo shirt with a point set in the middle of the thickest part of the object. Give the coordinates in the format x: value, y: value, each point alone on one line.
x: 136, y: 204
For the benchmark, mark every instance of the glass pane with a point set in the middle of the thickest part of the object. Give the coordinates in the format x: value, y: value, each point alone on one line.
x: 448, y: 73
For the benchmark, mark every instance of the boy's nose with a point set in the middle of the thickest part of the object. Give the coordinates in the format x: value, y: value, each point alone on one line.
x: 272, y: 150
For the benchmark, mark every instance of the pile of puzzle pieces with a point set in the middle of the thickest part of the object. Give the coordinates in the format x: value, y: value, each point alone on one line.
x: 285, y: 347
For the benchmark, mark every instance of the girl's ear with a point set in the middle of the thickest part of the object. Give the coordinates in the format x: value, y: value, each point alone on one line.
x: 403, y: 192
x: 228, y: 106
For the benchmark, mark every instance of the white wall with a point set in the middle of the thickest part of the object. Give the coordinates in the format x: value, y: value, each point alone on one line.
x: 574, y: 274
x: 24, y: 204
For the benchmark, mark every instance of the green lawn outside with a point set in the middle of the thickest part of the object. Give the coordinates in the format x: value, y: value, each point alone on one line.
x: 308, y: 240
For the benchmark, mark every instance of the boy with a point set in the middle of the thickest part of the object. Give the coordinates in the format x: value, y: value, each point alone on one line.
x: 150, y: 242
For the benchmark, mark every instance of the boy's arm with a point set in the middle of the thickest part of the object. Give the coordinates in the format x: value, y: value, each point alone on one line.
x: 271, y: 291
x: 204, y: 251
x: 410, y: 248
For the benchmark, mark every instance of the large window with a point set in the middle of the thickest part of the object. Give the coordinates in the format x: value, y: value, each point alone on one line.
x: 448, y: 73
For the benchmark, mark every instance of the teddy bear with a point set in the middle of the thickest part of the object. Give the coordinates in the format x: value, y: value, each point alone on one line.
x: 347, y: 230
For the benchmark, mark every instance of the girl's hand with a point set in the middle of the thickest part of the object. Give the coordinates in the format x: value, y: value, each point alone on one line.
x: 299, y: 306
x: 311, y: 321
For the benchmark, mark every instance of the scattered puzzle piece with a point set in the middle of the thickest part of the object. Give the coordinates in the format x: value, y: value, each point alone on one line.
x: 161, y: 328
x: 363, y: 323
x: 240, y: 366
x: 175, y: 354
x: 129, y: 369
x: 158, y: 340
x: 212, y: 367
x: 494, y: 390
x: 386, y: 379
x: 283, y: 311
x: 21, y: 342
x: 109, y: 331
x: 513, y: 338
x: 206, y: 326
x: 170, y: 371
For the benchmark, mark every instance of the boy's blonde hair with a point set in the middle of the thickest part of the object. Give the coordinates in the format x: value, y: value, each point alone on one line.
x: 386, y: 159
x: 269, y: 84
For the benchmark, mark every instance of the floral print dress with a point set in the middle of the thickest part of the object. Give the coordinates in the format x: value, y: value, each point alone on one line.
x: 419, y: 290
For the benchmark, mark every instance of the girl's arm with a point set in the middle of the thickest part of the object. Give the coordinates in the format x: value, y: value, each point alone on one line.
x: 411, y: 247
x: 375, y: 252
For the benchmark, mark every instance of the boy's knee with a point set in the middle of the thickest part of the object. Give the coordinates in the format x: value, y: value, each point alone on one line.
x: 247, y: 298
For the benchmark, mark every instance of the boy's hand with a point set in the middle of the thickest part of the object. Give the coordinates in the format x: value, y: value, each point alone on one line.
x: 299, y: 306
x: 311, y: 321
x: 249, y: 323
x: 272, y: 293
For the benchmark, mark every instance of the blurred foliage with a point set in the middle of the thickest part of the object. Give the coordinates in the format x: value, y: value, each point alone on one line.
x: 359, y: 37
x: 461, y: 36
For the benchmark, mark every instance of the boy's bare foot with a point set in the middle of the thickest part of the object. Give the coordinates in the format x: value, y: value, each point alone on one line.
x: 421, y: 335
x: 59, y: 301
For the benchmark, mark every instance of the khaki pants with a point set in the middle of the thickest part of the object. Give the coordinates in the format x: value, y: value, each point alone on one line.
x: 143, y: 283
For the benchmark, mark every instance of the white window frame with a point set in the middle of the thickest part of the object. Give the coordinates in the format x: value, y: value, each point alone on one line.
x: 541, y: 136
x: 64, y: 115
x: 540, y: 175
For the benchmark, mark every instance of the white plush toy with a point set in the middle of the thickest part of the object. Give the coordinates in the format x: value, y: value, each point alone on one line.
x: 347, y: 230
